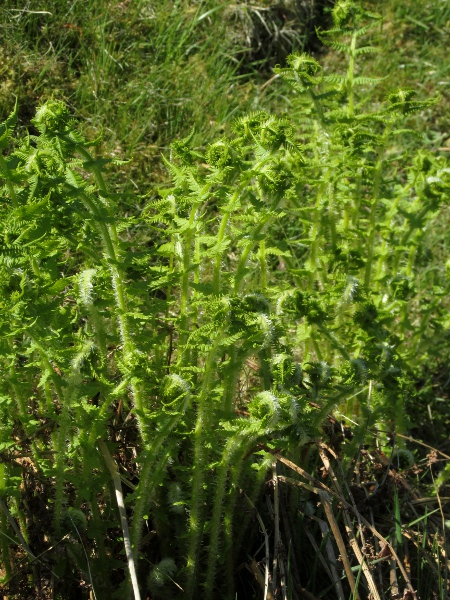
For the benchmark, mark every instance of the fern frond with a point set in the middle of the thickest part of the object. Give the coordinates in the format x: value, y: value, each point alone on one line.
x: 335, y: 78
x: 367, y: 80
x: 338, y: 46
x: 366, y: 50
x: 363, y: 30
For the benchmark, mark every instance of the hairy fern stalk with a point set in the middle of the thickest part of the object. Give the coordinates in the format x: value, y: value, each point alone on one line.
x: 274, y: 281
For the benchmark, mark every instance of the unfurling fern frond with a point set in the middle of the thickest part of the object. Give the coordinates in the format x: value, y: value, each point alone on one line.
x: 303, y: 72
x: 401, y: 101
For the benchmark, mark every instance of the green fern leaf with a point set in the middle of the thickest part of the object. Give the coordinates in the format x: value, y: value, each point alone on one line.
x: 367, y: 80
x: 366, y: 50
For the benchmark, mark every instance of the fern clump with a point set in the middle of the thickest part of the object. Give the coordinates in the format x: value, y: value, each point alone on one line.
x: 220, y: 338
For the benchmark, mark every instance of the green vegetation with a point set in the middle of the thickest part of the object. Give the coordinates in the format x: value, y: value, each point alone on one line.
x: 208, y: 388
x: 145, y: 73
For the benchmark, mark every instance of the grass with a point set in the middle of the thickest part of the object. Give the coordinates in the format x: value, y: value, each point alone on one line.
x: 146, y: 73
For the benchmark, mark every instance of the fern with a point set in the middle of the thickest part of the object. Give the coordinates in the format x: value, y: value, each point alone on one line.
x: 275, y: 279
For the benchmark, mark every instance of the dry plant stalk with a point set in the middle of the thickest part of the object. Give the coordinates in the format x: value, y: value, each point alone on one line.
x: 325, y: 499
x: 349, y: 527
x: 111, y: 465
x: 317, y: 487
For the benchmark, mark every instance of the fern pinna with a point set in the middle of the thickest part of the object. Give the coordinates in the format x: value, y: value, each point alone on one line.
x: 275, y: 280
